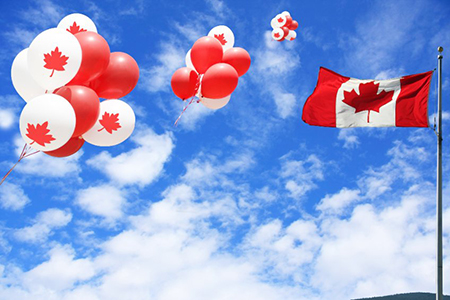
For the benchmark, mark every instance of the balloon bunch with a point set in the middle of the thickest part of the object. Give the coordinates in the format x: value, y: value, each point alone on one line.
x: 213, y: 67
x: 61, y: 76
x: 284, y: 27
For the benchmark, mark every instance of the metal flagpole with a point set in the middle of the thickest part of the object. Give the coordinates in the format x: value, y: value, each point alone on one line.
x: 439, y: 290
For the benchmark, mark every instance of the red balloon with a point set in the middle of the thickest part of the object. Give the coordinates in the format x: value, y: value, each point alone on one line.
x: 238, y: 58
x: 219, y: 81
x: 69, y: 148
x: 119, y: 78
x: 86, y: 104
x: 294, y: 25
x: 288, y: 21
x: 184, y: 82
x: 286, y: 31
x: 206, y: 52
x: 95, y: 57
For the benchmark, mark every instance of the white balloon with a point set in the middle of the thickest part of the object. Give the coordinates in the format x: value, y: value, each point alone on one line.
x: 188, y: 61
x: 292, y: 35
x: 274, y: 23
x: 215, y: 103
x: 22, y: 80
x: 277, y: 34
x: 280, y: 21
x: 114, y: 125
x: 47, y: 122
x: 75, y: 23
x: 285, y: 13
x: 54, y: 58
x: 224, y: 35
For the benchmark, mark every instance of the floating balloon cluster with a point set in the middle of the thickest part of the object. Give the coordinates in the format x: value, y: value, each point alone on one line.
x: 213, y: 67
x: 61, y: 76
x: 284, y: 27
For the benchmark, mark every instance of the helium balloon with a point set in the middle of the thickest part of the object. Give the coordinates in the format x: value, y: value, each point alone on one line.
x: 54, y: 58
x: 76, y: 23
x: 292, y: 35
x: 278, y: 34
x: 119, y: 78
x: 206, y: 52
x: 71, y: 147
x: 47, y: 122
x: 184, y: 83
x: 215, y: 103
x: 22, y: 80
x: 95, y: 57
x: 114, y: 125
x: 294, y: 25
x: 224, y: 35
x: 85, y: 103
x: 238, y: 58
x: 219, y: 81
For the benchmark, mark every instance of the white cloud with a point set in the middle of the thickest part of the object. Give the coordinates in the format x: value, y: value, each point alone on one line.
x: 12, y: 196
x: 285, y: 103
x: 7, y: 118
x: 105, y: 201
x: 141, y: 165
x: 349, y: 137
x: 300, y: 175
x: 272, y: 63
x: 379, y: 37
x: 62, y: 271
x: 157, y: 78
x: 43, y: 225
x: 338, y: 202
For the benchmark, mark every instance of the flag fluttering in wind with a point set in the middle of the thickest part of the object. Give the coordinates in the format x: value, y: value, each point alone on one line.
x: 340, y: 101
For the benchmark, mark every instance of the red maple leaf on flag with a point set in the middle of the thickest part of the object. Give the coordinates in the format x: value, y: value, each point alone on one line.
x: 110, y: 122
x: 277, y: 35
x: 75, y: 28
x: 221, y: 38
x: 368, y: 98
x: 280, y: 20
x: 54, y: 61
x: 39, y: 134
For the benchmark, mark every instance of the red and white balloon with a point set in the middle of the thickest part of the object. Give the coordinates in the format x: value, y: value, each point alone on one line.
x: 284, y: 27
x: 62, y: 75
x: 213, y: 68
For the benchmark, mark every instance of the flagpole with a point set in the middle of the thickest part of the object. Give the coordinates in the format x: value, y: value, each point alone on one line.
x: 439, y: 291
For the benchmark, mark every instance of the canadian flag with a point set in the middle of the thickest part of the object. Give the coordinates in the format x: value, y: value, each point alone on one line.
x: 340, y: 101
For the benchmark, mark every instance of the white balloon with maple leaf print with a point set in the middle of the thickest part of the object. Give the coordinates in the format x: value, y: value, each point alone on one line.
x: 22, y: 80
x: 54, y: 58
x: 215, y: 103
x: 292, y: 35
x: 114, y: 125
x: 75, y: 23
x: 224, y: 35
x: 47, y: 122
x: 277, y: 34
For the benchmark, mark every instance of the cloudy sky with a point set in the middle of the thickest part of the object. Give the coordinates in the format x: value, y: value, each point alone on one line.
x: 246, y: 202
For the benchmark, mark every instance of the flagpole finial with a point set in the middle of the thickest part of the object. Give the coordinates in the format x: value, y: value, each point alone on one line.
x: 440, y: 49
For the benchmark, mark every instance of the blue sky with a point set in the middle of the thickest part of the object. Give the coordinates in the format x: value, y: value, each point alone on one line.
x: 246, y: 202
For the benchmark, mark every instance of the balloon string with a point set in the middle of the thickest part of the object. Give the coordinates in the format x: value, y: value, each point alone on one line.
x: 23, y: 155
x: 197, y: 85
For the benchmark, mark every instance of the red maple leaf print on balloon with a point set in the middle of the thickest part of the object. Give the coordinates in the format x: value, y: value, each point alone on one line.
x: 280, y: 20
x: 368, y: 99
x: 277, y: 35
x: 39, y: 134
x: 110, y: 122
x: 54, y: 61
x: 221, y: 38
x: 75, y: 28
